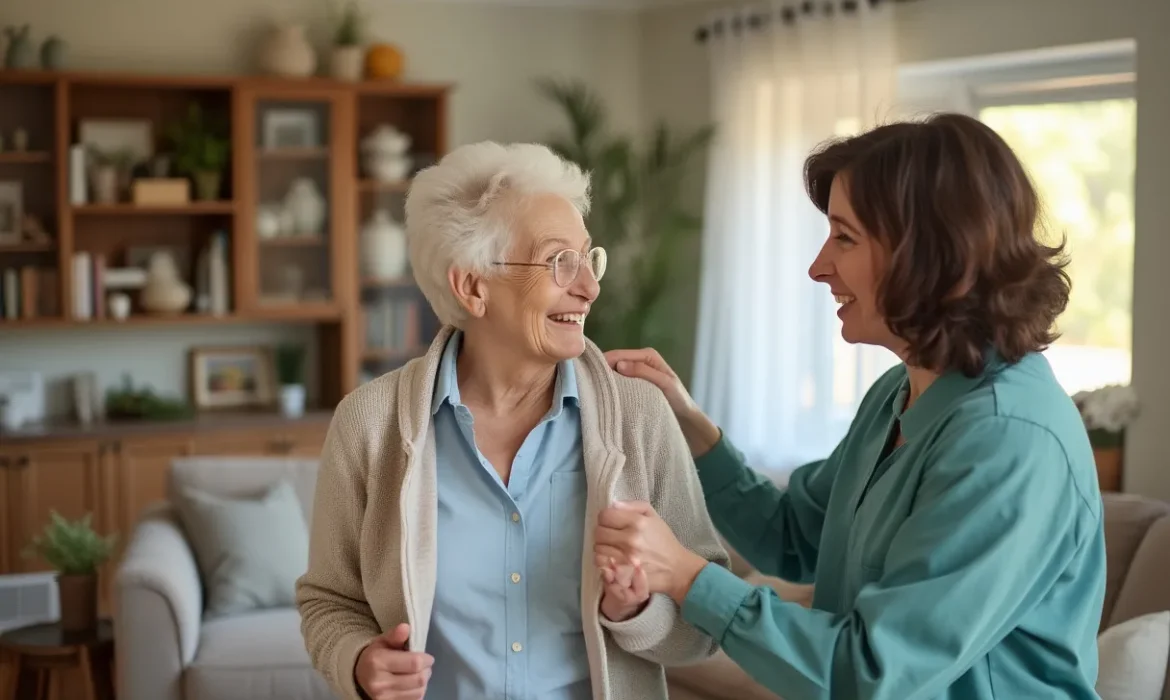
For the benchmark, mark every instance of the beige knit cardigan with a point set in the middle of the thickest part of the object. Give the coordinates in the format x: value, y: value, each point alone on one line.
x: 373, y: 541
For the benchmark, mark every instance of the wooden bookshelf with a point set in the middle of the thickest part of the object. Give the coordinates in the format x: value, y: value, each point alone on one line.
x: 306, y: 276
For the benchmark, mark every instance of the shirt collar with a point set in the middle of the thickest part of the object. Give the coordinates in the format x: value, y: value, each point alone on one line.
x: 938, y: 397
x: 447, y: 380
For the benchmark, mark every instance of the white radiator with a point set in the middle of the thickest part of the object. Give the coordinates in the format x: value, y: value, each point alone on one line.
x: 28, y: 599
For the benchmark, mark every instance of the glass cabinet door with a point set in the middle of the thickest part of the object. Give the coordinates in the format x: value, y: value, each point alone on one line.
x: 293, y: 192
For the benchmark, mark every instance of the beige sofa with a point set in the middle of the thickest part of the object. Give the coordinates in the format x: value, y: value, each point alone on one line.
x: 1137, y: 544
x: 167, y: 651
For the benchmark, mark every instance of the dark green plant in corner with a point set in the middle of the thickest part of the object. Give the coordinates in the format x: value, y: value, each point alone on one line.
x: 290, y: 364
x: 71, y: 547
x: 202, y: 150
x: 637, y: 214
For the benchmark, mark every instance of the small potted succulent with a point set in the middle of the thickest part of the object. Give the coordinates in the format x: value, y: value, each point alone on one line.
x: 346, y: 57
x: 76, y: 551
x: 290, y: 372
x: 1107, y: 412
x: 202, y: 152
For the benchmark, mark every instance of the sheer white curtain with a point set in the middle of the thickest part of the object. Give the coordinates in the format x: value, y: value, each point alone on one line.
x: 770, y: 366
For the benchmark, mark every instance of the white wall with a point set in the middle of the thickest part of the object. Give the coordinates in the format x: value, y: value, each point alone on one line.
x: 674, y: 73
x: 491, y: 54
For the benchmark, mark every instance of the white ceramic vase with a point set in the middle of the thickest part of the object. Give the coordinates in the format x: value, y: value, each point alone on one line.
x: 292, y: 400
x: 345, y: 63
x: 165, y: 292
x: 384, y: 154
x: 306, y: 207
x: 287, y: 52
x: 383, y: 246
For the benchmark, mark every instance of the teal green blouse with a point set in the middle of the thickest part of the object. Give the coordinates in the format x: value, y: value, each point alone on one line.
x: 967, y: 563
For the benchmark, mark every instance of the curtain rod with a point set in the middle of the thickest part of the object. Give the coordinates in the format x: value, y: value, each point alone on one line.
x: 786, y: 15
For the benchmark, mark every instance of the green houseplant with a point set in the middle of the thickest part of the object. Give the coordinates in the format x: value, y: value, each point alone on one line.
x: 290, y: 372
x: 345, y: 60
x: 637, y: 214
x: 202, y: 150
x: 76, y: 552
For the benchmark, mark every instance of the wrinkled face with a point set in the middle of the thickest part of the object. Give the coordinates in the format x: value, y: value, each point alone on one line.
x: 526, y: 309
x: 852, y: 263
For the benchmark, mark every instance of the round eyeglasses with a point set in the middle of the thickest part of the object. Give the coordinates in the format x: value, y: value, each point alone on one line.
x: 566, y: 265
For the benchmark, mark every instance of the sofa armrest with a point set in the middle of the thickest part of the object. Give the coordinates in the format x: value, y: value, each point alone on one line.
x: 159, y: 600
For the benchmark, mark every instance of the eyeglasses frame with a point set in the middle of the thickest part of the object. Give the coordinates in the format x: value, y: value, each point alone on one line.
x: 551, y: 265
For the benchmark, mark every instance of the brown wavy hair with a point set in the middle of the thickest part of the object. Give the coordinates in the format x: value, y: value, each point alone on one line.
x: 958, y: 217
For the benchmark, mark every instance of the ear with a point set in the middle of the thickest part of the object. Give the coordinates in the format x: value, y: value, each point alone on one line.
x: 471, y: 291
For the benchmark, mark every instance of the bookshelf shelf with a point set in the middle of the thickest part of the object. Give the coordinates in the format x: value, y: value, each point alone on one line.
x: 100, y: 249
x: 28, y: 248
x: 168, y: 320
x: 278, y: 154
x: 295, y: 242
x: 367, y: 185
x: 17, y: 157
x: 129, y: 209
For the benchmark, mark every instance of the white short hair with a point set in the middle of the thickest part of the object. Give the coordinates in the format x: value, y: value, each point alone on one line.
x: 452, y: 219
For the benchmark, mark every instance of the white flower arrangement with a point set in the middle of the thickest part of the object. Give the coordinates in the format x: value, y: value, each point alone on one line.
x: 1107, y: 412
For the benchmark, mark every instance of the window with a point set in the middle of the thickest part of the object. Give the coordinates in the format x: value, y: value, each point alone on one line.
x: 1081, y: 159
x: 1070, y: 116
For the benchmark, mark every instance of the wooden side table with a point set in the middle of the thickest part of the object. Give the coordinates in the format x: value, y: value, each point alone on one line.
x: 52, y: 658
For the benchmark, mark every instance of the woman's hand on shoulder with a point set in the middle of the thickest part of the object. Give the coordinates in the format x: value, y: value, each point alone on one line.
x: 700, y: 432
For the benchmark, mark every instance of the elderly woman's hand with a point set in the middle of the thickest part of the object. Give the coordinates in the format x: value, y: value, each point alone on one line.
x: 632, y: 533
x: 626, y: 590
x: 701, y: 433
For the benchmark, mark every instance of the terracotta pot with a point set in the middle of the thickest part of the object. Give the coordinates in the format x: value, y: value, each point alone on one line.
x: 77, y: 594
x: 1108, y: 467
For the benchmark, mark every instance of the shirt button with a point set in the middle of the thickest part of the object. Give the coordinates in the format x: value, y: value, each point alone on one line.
x: 516, y: 646
x: 515, y: 517
x: 515, y: 578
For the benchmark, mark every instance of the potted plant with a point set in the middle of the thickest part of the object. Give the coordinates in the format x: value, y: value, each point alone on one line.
x: 1107, y: 412
x: 76, y: 551
x: 345, y: 61
x: 201, y: 152
x: 290, y: 372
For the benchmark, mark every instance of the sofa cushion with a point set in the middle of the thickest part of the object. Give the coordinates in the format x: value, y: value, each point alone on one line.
x: 250, y: 551
x: 254, y: 656
x: 246, y: 477
x: 1127, y: 520
x: 1133, y: 658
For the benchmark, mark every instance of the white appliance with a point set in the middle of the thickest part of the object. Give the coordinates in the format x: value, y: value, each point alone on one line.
x: 28, y: 599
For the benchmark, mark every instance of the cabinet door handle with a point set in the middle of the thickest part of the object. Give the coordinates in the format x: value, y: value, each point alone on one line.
x: 21, y: 462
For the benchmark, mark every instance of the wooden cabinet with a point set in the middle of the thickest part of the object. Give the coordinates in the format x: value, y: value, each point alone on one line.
x: 64, y: 477
x: 115, y: 477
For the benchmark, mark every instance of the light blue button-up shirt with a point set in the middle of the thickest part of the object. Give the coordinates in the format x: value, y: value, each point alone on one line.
x: 506, y: 621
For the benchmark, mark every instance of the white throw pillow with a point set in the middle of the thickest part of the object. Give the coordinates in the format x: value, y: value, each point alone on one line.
x: 1133, y: 657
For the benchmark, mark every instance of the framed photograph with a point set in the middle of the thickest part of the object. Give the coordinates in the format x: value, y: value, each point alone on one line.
x: 11, y: 212
x: 232, y: 377
x: 290, y: 128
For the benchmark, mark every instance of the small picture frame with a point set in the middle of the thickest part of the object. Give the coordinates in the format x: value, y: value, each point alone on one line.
x: 239, y: 377
x: 11, y: 212
x: 290, y: 128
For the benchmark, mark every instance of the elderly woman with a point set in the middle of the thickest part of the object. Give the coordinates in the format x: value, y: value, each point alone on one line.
x: 955, y: 534
x: 451, y: 544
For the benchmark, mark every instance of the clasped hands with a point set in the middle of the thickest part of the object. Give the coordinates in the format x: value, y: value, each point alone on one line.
x: 638, y: 555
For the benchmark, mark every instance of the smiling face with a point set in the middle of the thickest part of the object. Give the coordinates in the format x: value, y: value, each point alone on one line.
x: 852, y: 263
x: 525, y: 307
